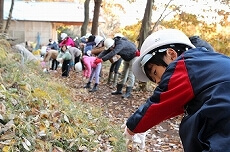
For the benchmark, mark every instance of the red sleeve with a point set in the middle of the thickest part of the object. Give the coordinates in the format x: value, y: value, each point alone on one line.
x: 164, y: 104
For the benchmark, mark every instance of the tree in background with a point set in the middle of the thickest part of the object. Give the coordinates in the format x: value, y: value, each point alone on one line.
x: 111, y: 17
x: 9, y: 17
x: 2, y: 30
x: 96, y: 14
x: 1, y: 15
x: 146, y: 23
x: 86, y: 18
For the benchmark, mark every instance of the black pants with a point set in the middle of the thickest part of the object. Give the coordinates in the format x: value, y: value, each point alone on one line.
x: 115, y: 66
x: 54, y: 64
x: 77, y: 59
x: 65, y: 68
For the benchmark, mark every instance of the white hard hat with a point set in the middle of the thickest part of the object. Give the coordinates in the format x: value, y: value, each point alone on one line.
x: 98, y: 39
x: 78, y: 67
x: 87, y: 35
x: 43, y: 50
x: 155, y: 40
x: 118, y: 35
x: 108, y: 43
x: 63, y: 36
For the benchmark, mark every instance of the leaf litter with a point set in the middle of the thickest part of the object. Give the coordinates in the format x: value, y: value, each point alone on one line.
x: 161, y: 138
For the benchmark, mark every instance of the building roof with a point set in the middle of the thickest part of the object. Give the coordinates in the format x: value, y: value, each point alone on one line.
x: 48, y: 11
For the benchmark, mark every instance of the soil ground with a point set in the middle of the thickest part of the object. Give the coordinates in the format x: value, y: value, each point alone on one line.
x: 161, y: 138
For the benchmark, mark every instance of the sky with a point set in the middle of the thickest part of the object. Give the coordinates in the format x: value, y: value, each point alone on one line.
x: 135, y: 11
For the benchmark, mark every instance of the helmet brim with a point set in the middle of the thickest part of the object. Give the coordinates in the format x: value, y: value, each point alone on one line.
x: 147, y: 46
x: 137, y: 70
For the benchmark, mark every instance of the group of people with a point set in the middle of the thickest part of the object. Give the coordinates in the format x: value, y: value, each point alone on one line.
x: 65, y: 54
x: 191, y: 77
x: 95, y: 50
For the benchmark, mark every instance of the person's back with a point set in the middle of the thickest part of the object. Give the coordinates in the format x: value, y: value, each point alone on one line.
x: 89, y: 44
x: 68, y: 42
x: 198, y: 42
x: 128, y: 48
x: 123, y: 47
x: 53, y: 45
x: 210, y: 104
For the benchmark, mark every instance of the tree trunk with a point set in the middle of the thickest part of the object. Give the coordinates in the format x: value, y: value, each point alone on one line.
x: 9, y: 17
x: 97, y: 6
x: 146, y: 23
x: 1, y: 15
x: 145, y: 31
x: 86, y: 20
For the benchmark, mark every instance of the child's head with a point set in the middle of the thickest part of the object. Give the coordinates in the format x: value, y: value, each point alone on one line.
x: 158, y: 51
x: 63, y: 48
x: 91, y: 38
x: 99, y: 41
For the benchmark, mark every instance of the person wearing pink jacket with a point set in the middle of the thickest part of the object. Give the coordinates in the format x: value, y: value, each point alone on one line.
x: 66, y: 40
x: 91, y: 71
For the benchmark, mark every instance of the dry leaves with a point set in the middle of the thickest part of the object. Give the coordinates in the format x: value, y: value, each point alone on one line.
x: 162, y: 138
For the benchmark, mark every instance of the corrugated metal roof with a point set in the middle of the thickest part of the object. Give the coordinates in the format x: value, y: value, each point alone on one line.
x: 47, y: 11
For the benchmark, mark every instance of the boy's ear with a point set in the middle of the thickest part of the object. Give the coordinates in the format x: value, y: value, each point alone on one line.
x: 172, y: 54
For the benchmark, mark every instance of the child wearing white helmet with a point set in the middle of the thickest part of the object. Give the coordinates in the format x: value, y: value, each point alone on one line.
x: 66, y: 40
x: 115, y: 65
x: 127, y: 51
x: 193, y: 81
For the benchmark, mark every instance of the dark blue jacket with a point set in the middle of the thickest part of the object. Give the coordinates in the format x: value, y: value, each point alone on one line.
x: 197, y: 84
x: 53, y: 46
x: 198, y: 42
x: 123, y: 47
x: 89, y: 46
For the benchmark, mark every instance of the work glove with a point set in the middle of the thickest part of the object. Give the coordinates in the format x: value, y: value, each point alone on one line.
x: 97, y: 61
x: 138, y: 53
x: 43, y: 64
x: 137, y: 140
x: 59, y: 60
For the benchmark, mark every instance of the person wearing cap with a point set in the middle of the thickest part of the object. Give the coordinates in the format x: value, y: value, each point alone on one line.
x: 73, y: 50
x: 127, y: 50
x: 66, y: 40
x: 191, y: 81
x: 99, y: 45
x: 115, y: 64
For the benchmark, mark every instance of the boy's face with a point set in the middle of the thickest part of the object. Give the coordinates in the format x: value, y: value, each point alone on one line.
x: 155, y: 71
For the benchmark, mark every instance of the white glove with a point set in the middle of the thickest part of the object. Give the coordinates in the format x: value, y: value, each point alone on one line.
x: 139, y: 138
x: 59, y: 60
x: 136, y: 139
x: 127, y: 135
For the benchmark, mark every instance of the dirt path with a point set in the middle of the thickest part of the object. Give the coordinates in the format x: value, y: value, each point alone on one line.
x: 161, y: 138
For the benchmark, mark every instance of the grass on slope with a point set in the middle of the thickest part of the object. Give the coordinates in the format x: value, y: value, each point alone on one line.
x: 38, y: 114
